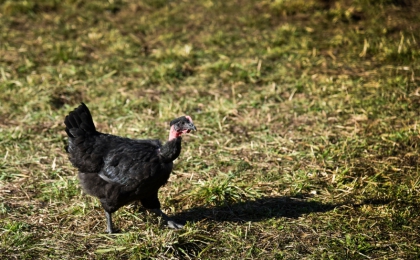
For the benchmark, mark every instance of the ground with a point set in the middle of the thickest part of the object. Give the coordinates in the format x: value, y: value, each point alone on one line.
x: 307, y: 115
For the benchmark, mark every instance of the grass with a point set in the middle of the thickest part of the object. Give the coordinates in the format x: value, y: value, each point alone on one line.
x: 307, y: 114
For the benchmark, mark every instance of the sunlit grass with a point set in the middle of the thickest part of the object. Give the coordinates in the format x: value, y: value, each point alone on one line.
x: 307, y: 117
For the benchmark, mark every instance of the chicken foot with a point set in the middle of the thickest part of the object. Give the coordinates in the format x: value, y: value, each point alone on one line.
x: 171, y: 223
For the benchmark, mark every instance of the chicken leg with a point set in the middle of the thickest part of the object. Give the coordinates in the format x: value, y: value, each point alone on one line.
x: 109, y: 226
x: 171, y: 223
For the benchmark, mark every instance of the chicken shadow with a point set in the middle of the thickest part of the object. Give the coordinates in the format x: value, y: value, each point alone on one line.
x: 264, y: 208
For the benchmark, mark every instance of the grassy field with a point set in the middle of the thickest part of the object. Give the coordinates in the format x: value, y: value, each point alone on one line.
x: 307, y: 115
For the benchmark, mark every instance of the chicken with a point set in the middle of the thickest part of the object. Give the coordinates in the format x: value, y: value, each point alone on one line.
x: 120, y: 170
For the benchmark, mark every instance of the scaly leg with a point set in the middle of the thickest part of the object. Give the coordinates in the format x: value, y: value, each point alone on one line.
x: 109, y: 227
x: 171, y: 223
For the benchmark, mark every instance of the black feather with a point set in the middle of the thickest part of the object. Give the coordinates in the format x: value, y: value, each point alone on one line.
x: 176, y: 120
x: 118, y: 170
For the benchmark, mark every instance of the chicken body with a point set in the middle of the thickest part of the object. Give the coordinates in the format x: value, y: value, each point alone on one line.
x: 120, y: 170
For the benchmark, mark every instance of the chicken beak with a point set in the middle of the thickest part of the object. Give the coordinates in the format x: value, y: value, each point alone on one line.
x: 191, y: 126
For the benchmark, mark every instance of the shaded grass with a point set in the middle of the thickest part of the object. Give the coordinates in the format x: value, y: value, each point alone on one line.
x: 307, y: 116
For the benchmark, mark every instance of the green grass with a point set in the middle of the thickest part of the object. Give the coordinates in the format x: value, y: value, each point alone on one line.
x: 307, y: 114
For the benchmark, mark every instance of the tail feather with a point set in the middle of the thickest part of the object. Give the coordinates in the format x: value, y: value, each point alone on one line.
x: 79, y: 122
x: 83, y: 140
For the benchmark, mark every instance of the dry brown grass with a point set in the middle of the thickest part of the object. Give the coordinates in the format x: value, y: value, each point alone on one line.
x: 307, y: 115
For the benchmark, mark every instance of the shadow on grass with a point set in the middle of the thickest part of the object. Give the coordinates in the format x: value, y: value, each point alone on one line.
x: 265, y: 208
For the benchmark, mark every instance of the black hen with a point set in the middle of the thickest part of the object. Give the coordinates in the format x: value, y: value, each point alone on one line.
x: 119, y: 170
